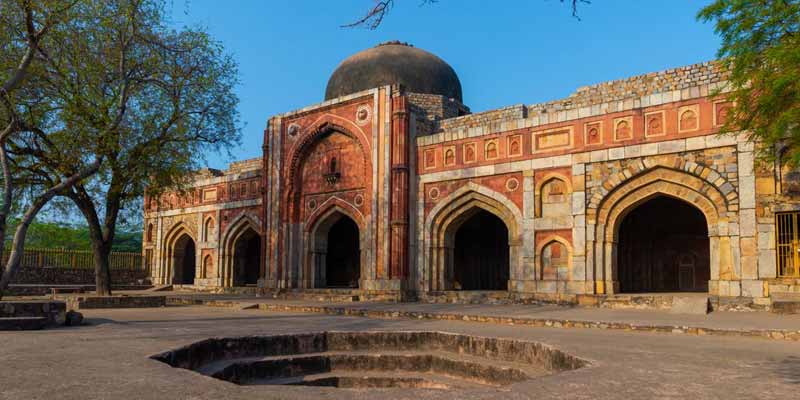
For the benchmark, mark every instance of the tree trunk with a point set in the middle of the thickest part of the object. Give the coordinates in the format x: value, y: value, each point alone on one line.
x: 14, y: 258
x: 101, y: 235
x: 18, y: 246
x: 102, y: 270
x: 5, y: 207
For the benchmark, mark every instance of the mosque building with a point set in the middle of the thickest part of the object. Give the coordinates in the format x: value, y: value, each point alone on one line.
x: 393, y: 189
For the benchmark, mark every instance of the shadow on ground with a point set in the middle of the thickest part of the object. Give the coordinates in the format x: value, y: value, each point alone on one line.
x: 789, y: 370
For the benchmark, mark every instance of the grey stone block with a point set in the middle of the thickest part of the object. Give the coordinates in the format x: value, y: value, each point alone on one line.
x: 689, y: 305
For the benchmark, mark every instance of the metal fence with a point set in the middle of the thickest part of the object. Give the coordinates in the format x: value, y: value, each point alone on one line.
x: 788, y: 244
x: 77, y: 259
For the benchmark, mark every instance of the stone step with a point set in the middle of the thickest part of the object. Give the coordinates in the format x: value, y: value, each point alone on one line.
x: 53, y: 311
x: 22, y: 323
x: 159, y: 288
x: 674, y: 303
x: 785, y: 303
x: 470, y: 297
x: 323, y: 297
x: 636, y: 301
x: 689, y: 305
x: 82, y: 302
x: 241, y: 290
x: 332, y: 295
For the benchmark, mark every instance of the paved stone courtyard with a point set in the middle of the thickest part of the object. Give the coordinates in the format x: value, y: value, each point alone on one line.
x: 108, y: 359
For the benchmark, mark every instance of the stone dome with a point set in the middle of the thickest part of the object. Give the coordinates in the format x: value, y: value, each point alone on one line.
x: 394, y: 63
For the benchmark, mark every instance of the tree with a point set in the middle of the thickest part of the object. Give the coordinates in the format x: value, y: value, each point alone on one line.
x: 761, y: 52
x: 171, y: 90
x: 62, y: 235
x: 375, y: 15
x: 26, y: 26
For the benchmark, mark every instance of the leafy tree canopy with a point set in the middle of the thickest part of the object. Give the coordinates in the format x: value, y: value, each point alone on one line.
x: 761, y: 51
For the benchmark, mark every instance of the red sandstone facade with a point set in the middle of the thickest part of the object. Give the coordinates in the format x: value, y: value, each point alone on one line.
x: 623, y: 187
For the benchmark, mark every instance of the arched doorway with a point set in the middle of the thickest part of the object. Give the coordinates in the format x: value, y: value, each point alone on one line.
x: 663, y: 247
x: 342, y: 261
x: 457, y: 210
x: 183, y: 261
x: 246, y: 255
x: 336, y: 254
x: 481, y: 253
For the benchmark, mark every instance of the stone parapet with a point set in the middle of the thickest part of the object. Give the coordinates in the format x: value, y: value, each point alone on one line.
x: 670, y: 80
x: 435, y: 107
x: 650, y: 90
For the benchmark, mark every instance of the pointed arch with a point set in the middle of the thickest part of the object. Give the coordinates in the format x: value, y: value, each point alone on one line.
x: 540, y: 253
x: 334, y: 202
x: 676, y: 169
x: 444, y: 220
x: 538, y: 198
x: 292, y: 264
x: 208, y: 266
x: 703, y: 194
x: 241, y: 225
x: 605, y: 214
x: 149, y: 233
x: 209, y: 225
x: 172, y: 256
x: 322, y: 128
x: 319, y: 227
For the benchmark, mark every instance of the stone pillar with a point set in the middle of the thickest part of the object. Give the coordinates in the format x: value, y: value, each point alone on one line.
x: 756, y: 250
x: 398, y: 213
x: 528, y: 231
x: 578, y: 284
x: 262, y: 261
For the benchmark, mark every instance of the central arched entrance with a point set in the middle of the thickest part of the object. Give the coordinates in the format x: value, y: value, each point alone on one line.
x: 481, y: 253
x: 183, y: 261
x: 663, y: 247
x: 246, y: 254
x: 342, y: 262
x: 337, y: 252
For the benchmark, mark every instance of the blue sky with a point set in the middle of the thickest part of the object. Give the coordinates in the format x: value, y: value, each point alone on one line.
x: 505, y: 52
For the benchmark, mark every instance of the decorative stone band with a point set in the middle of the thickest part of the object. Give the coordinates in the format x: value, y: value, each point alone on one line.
x: 206, y: 208
x: 569, y: 160
x: 520, y: 116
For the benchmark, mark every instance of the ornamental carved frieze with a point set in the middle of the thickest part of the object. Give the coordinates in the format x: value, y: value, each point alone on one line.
x: 188, y: 220
x: 593, y: 133
x: 233, y: 216
x: 355, y: 198
x: 508, y: 185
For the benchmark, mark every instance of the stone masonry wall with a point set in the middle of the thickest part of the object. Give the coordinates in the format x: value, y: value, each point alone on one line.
x: 680, y: 78
x: 435, y: 107
x: 78, y: 276
x: 722, y: 160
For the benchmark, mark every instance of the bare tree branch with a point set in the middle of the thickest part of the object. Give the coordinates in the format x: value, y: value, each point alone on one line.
x: 575, y: 6
x: 374, y: 17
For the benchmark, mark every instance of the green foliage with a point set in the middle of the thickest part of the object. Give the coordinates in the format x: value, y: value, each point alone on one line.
x: 761, y: 51
x: 54, y: 235
x: 114, y: 81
